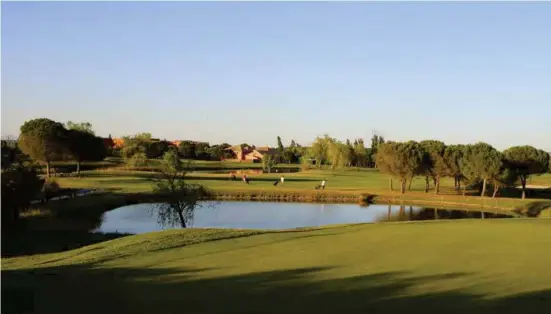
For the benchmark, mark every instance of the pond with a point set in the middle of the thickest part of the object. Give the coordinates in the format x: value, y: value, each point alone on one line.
x: 143, y: 218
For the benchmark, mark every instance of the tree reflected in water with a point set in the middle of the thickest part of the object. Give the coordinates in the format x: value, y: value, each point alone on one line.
x: 182, y: 198
x: 434, y: 214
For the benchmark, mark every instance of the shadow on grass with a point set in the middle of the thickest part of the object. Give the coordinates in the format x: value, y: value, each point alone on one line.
x: 530, y: 193
x: 533, y: 209
x: 30, y: 242
x: 118, y: 174
x: 251, y: 246
x: 88, y: 288
x: 61, y: 225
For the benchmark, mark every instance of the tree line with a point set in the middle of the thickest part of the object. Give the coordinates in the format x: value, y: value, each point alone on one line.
x: 45, y: 141
x: 336, y: 154
x: 477, y: 164
x: 137, y: 149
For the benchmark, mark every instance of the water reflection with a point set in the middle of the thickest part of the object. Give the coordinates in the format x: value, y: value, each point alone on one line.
x: 269, y: 215
x: 435, y: 214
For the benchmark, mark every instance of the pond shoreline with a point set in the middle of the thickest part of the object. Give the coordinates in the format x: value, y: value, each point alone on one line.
x: 329, y: 197
x: 97, y: 203
x: 364, y: 198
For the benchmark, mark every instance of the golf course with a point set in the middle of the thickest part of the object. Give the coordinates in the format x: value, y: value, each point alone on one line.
x: 184, y: 157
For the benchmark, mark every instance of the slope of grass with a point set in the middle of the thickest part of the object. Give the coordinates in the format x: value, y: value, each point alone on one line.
x: 467, y: 266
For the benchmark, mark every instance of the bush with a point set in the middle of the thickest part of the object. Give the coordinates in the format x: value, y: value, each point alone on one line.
x: 137, y: 160
x: 50, y: 187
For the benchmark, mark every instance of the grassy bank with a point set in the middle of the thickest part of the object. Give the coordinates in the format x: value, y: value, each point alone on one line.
x: 468, y: 266
x: 344, y: 186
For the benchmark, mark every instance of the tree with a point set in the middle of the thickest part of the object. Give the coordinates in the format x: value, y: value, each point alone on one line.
x: 20, y: 185
x: 433, y: 164
x: 376, y: 140
x: 134, y: 150
x: 505, y: 177
x: 219, y: 152
x: 361, y: 153
x: 187, y: 150
x: 481, y: 162
x: 401, y: 160
x: 139, y: 159
x: 80, y: 126
x: 525, y: 161
x: 452, y: 158
x: 85, y: 146
x: 318, y: 150
x: 182, y: 198
x: 201, y: 151
x: 156, y: 149
x: 384, y: 159
x: 338, y: 154
x: 43, y: 140
x: 280, y: 146
x: 10, y: 153
x: 268, y: 162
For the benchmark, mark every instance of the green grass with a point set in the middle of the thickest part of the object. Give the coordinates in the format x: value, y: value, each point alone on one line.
x: 343, y: 183
x: 468, y: 266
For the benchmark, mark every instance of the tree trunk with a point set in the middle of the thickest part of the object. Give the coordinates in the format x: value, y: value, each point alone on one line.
x: 437, y: 186
x: 523, y: 182
x: 78, y: 169
x: 403, y: 185
x: 409, y: 185
x: 455, y: 182
x: 458, y: 183
x: 48, y: 169
x: 496, y: 188
x: 182, y: 220
x: 426, y: 184
x: 390, y: 182
x: 483, y: 188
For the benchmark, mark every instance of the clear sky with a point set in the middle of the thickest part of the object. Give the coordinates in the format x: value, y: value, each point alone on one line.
x: 248, y: 72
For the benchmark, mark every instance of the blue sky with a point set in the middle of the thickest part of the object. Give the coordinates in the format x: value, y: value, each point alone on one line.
x: 248, y: 72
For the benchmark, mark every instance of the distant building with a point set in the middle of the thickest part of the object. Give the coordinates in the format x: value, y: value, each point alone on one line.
x: 108, y: 142
x: 250, y: 154
x: 118, y: 142
x: 176, y: 143
x: 259, y: 153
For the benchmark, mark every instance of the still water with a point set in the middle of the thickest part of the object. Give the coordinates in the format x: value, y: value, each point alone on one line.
x: 143, y: 218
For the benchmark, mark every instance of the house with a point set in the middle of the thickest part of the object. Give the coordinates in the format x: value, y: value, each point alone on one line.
x: 108, y: 142
x: 238, y: 152
x: 251, y: 154
x: 118, y: 142
x: 257, y: 154
x: 176, y: 143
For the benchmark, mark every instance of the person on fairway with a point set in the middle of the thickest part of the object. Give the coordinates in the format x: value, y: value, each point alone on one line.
x: 321, y: 186
x: 282, y: 179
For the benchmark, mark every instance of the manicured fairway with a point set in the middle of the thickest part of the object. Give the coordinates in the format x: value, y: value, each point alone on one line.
x: 484, y: 266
